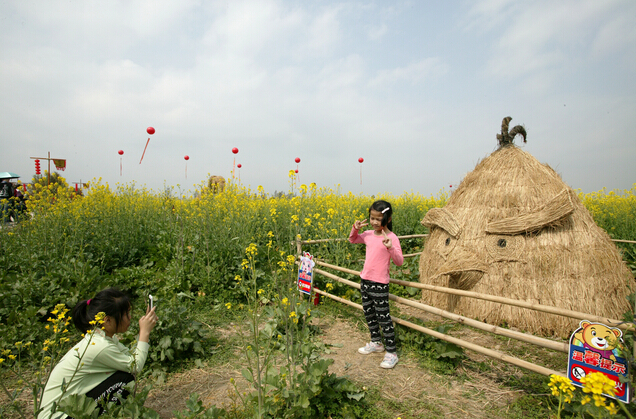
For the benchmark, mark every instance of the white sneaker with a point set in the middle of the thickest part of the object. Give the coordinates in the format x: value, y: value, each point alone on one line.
x: 371, y: 347
x: 390, y: 359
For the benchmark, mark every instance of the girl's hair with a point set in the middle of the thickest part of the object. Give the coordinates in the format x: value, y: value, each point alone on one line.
x: 387, y: 211
x: 111, y: 301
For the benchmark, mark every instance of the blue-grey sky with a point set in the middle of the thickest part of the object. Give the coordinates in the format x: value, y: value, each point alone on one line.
x: 416, y: 88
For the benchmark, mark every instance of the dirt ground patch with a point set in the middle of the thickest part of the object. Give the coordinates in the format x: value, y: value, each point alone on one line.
x: 476, y: 395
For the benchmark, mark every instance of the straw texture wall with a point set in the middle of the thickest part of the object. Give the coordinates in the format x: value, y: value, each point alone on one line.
x: 513, y: 228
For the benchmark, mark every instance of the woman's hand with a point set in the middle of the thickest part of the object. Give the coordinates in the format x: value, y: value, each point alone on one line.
x: 147, y: 323
x: 359, y: 224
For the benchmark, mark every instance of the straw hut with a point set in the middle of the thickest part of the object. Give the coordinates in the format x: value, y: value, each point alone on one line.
x: 514, y: 229
x: 216, y: 184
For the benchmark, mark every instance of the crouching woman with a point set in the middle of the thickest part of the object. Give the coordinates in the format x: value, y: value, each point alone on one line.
x: 106, y: 365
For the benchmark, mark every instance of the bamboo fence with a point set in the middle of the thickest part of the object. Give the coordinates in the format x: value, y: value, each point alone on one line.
x: 524, y: 337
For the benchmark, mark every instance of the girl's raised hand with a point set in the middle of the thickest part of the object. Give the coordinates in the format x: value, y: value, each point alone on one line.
x: 359, y: 224
x: 386, y: 241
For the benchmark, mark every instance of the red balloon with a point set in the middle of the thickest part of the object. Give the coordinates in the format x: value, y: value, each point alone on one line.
x: 239, y: 165
x: 297, y: 159
x: 451, y: 186
x: 187, y: 157
x: 150, y: 130
x: 121, y: 152
x: 235, y: 150
x: 360, y: 159
x: 296, y: 170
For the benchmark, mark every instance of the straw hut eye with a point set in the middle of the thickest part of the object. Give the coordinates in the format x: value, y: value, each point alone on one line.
x: 442, y: 241
x: 505, y: 248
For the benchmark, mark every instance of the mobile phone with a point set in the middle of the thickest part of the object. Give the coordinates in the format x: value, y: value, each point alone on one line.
x: 152, y: 301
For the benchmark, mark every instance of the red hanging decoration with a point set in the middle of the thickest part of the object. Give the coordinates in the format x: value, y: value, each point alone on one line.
x: 234, y: 151
x: 150, y: 131
x: 121, y: 153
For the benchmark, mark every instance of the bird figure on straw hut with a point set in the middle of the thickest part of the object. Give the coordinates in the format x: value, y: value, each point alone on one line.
x: 514, y: 229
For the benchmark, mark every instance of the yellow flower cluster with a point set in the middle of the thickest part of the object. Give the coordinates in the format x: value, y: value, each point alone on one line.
x: 561, y: 385
x: 59, y: 324
x: 598, y: 384
x: 99, y: 319
x: 251, y: 250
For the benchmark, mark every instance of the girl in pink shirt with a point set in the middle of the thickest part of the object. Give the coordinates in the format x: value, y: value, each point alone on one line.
x: 382, y: 246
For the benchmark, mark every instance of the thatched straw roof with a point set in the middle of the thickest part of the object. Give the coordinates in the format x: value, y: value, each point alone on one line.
x: 513, y: 228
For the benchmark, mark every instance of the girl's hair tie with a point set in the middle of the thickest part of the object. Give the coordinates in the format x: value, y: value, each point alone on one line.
x: 386, y: 209
x: 88, y: 302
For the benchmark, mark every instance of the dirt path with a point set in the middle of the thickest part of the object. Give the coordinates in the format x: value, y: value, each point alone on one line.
x: 431, y: 395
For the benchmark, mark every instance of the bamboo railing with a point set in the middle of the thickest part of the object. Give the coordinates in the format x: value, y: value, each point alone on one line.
x: 524, y: 337
x: 497, y: 299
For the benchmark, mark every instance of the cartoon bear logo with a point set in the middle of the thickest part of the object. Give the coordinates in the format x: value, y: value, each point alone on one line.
x: 599, y: 338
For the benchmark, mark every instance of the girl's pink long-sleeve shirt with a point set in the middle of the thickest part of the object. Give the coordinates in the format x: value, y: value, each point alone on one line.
x: 378, y: 257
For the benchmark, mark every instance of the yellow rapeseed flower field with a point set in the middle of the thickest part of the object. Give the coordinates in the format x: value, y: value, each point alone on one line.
x: 198, y: 242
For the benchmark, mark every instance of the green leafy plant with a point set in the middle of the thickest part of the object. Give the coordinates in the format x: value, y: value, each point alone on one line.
x: 176, y: 337
x: 195, y: 409
x: 446, y: 352
x: 79, y: 406
x: 301, y: 387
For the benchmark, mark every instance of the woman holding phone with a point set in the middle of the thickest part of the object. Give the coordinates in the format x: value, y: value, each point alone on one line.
x: 99, y: 366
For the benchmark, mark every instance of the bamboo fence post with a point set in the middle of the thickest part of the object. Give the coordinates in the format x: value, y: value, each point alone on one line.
x: 459, y: 342
x: 299, y: 248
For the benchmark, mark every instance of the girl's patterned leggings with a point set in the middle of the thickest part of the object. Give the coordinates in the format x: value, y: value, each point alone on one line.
x: 375, y: 303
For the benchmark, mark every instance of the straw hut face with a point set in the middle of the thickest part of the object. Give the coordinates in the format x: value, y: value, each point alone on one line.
x: 514, y: 229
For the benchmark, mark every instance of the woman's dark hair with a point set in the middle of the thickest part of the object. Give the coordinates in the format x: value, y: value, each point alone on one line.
x: 110, y: 301
x: 386, y: 210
